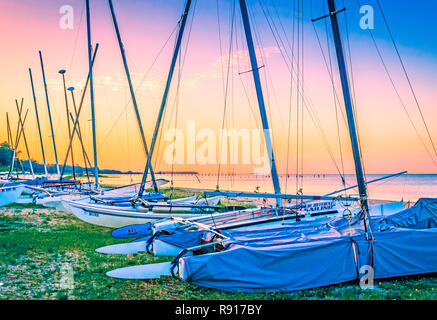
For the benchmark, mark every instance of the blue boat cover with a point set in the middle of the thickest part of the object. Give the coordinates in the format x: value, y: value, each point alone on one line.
x: 306, y: 254
x: 133, y: 231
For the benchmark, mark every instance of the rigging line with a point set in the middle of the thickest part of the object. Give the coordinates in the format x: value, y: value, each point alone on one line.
x: 335, y: 101
x: 317, y: 124
x: 175, y: 105
x: 297, y: 96
x: 407, y: 77
x: 299, y: 73
x: 274, y: 31
x: 399, y: 96
x: 265, y: 73
x: 281, y: 24
x: 226, y: 91
x: 139, y: 85
x: 308, y: 104
x: 353, y: 94
x: 255, y: 118
x: 291, y: 97
x: 220, y: 45
x: 176, y: 121
x: 301, y: 97
x: 183, y: 59
x: 75, y: 42
x: 329, y: 71
x: 314, y: 117
x: 351, y: 74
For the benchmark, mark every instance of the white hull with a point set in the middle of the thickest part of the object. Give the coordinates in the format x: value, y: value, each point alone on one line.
x: 117, y: 218
x: 56, y: 202
x: 10, y: 195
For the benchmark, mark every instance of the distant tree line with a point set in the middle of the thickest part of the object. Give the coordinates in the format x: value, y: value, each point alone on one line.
x: 6, y: 154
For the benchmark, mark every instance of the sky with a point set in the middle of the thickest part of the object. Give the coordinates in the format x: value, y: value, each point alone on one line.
x: 389, y: 142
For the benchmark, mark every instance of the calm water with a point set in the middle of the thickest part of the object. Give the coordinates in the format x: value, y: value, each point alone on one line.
x: 407, y: 187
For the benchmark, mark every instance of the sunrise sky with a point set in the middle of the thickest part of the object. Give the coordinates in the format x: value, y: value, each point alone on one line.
x: 389, y: 141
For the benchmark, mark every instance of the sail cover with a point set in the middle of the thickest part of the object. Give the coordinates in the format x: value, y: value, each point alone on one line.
x: 308, y: 255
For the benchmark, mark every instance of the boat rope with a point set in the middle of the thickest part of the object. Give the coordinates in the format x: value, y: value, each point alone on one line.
x: 181, y: 64
x: 139, y: 85
x: 336, y: 106
x: 225, y: 105
x: 78, y: 29
x: 337, y: 103
x: 290, y: 103
x: 407, y: 77
x: 300, y: 85
x: 398, y: 94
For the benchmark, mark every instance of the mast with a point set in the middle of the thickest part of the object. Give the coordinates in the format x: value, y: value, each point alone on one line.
x: 24, y: 137
x: 17, y: 141
x: 37, y: 121
x: 134, y: 100
x: 349, y: 107
x: 11, y: 169
x: 260, y: 97
x: 50, y: 115
x: 79, y: 133
x: 164, y: 98
x: 62, y: 72
x: 10, y: 141
x: 93, y: 116
x: 76, y: 122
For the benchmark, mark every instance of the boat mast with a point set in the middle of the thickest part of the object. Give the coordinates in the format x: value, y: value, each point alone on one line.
x: 37, y: 121
x: 76, y: 122
x: 164, y: 98
x: 24, y: 137
x: 349, y: 107
x: 10, y: 141
x: 134, y: 100
x: 93, y: 118
x: 17, y: 139
x: 62, y: 72
x: 79, y: 133
x: 50, y: 115
x: 259, y: 94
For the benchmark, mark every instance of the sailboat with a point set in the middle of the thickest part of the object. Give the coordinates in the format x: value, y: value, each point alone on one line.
x: 305, y: 254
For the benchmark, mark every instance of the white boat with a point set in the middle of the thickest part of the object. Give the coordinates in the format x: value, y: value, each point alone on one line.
x: 120, y: 216
x: 53, y: 198
x: 10, y: 195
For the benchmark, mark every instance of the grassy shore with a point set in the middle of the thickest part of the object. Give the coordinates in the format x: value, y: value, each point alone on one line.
x: 45, y: 254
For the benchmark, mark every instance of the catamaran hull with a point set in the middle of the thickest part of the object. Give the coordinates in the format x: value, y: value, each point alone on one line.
x: 56, y: 202
x: 9, y: 195
x: 121, y: 216
x: 117, y: 219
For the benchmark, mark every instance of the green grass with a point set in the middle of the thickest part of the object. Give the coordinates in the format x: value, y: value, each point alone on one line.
x: 39, y: 246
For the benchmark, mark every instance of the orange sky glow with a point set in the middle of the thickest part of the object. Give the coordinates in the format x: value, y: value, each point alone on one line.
x: 388, y: 140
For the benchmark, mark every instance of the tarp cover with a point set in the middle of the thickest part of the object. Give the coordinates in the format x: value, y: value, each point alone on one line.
x: 306, y: 254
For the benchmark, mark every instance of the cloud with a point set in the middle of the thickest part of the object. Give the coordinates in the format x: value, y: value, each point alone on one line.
x: 240, y: 58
